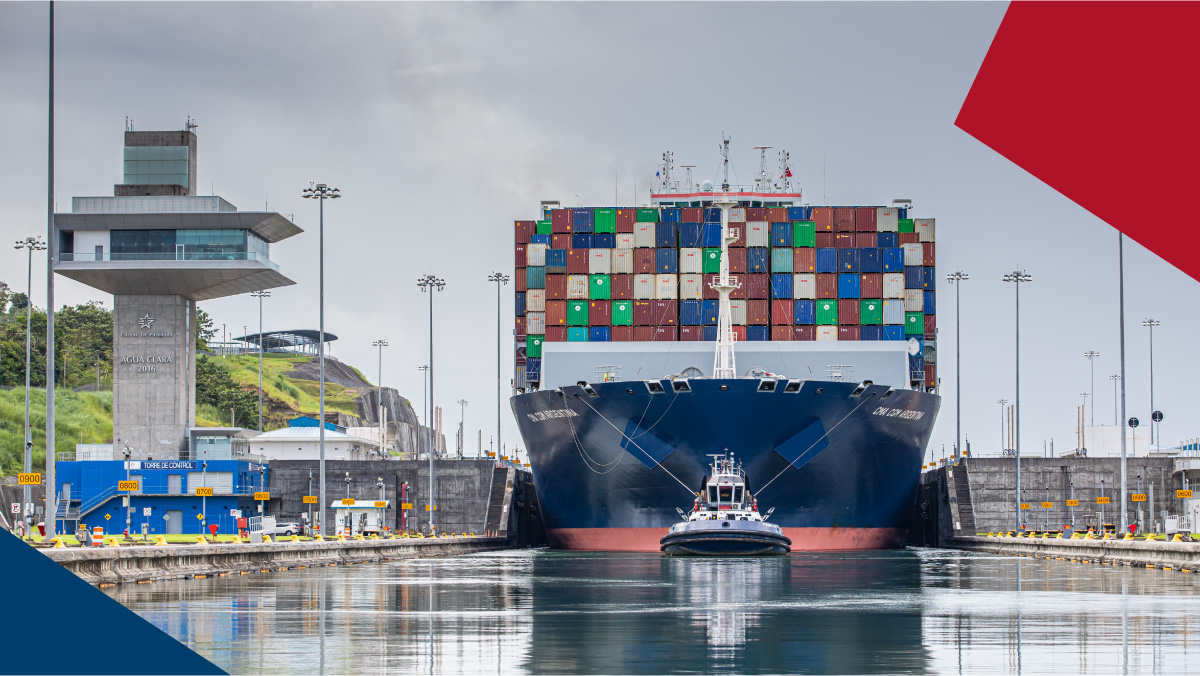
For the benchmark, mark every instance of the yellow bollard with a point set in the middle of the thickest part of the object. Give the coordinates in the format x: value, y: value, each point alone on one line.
x: 1128, y: 536
x: 58, y: 543
x: 1045, y: 536
x: 111, y: 542
x: 320, y: 538
x: 1149, y: 537
x: 1060, y: 536
x: 295, y: 538
x: 472, y: 535
x: 1178, y: 537
x: 160, y: 540
x: 200, y: 540
x: 358, y: 536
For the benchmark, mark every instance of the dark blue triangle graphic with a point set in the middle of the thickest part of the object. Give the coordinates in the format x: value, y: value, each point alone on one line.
x: 804, y: 445
x: 645, y: 446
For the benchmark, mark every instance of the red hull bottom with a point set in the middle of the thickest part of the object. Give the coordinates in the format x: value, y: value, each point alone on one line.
x: 647, y: 539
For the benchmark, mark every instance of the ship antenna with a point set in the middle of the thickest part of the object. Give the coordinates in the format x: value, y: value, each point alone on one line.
x: 665, y: 172
x: 725, y: 162
x: 687, y: 178
x: 785, y: 170
x: 723, y: 363
x: 763, y: 182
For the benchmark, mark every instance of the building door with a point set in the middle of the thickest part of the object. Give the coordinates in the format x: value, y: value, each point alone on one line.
x: 175, y: 484
x: 99, y: 253
x: 179, y: 255
x: 175, y: 521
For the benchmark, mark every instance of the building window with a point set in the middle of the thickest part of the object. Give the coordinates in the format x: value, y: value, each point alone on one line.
x: 156, y: 165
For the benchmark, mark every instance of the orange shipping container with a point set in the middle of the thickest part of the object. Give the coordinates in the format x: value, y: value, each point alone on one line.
x: 804, y: 260
x: 519, y: 279
x: 758, y: 312
x: 827, y: 285
x: 823, y: 217
x: 843, y: 219
x: 556, y: 313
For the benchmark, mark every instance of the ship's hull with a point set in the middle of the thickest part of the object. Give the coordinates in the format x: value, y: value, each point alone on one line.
x: 839, y: 467
x: 725, y: 537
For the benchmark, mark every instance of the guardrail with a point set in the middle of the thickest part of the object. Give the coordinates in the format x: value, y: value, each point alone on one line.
x: 185, y: 256
x: 99, y: 499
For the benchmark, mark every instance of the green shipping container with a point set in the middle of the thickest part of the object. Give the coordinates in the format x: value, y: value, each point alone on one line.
x: 544, y: 228
x: 533, y: 346
x: 647, y: 215
x: 712, y: 261
x: 906, y: 225
x: 804, y: 234
x: 605, y: 220
x: 577, y: 334
x: 914, y: 323
x: 827, y: 312
x: 577, y: 314
x: 871, y: 311
x: 622, y: 313
x: 599, y: 287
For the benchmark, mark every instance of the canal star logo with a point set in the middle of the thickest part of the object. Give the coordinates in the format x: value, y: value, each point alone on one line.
x: 145, y: 322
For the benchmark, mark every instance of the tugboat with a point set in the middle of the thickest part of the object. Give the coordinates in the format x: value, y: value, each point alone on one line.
x: 724, y: 520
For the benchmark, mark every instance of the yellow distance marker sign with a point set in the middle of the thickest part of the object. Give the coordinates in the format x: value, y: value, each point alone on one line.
x: 127, y: 485
x: 1047, y: 505
x: 1138, y: 497
x: 1072, y: 503
x: 428, y: 506
x: 347, y: 502
x: 1183, y: 494
x: 1103, y: 501
x: 29, y: 479
x: 309, y: 500
x: 406, y: 505
x: 1024, y: 505
x: 380, y: 504
x: 204, y: 491
x: 262, y: 495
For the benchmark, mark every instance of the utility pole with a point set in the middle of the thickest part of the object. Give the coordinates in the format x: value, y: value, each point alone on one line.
x: 381, y: 343
x: 51, y: 483
x: 1121, y: 321
x: 957, y: 278
x: 1151, y: 323
x: 260, y: 295
x: 1003, y: 441
x: 1091, y: 357
x: 462, y: 430
x: 1115, y: 378
x: 428, y: 284
x: 31, y: 244
x: 500, y: 280
x: 1017, y: 277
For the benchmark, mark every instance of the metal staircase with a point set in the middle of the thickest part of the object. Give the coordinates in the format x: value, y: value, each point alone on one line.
x: 958, y: 489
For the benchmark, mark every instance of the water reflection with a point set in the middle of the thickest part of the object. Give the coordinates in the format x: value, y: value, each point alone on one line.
x: 551, y: 612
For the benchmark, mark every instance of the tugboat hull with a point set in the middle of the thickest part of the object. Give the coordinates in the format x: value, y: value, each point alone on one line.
x: 725, y: 538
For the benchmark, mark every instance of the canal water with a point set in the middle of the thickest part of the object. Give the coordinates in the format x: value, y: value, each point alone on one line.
x: 538, y: 611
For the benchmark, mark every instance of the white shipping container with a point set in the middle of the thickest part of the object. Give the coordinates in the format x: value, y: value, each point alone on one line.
x: 535, y: 300
x: 691, y: 261
x: 600, y: 261
x: 622, y: 261
x: 577, y: 287
x: 738, y: 312
x: 737, y: 215
x: 535, y: 323
x: 804, y: 286
x: 914, y: 300
x: 666, y: 287
x: 893, y: 285
x: 914, y: 254
x: 643, y: 287
x: 887, y: 219
x: 535, y: 255
x: 893, y: 311
x: 923, y: 226
x: 624, y: 240
x: 690, y: 287
x: 758, y: 233
x: 643, y: 235
x: 827, y: 333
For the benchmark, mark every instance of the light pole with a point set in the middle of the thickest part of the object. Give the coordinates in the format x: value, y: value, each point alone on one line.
x: 462, y: 430
x: 224, y: 342
x: 1017, y: 277
x: 349, y: 522
x: 321, y: 192
x: 1003, y: 444
x: 429, y: 284
x: 379, y: 485
x: 1116, y: 377
x: 1091, y: 357
x: 957, y: 278
x: 381, y: 343
x: 260, y: 295
x: 424, y: 369
x: 1151, y: 323
x: 1121, y: 325
x: 31, y: 244
x: 500, y: 280
x: 128, y: 501
x: 1083, y: 432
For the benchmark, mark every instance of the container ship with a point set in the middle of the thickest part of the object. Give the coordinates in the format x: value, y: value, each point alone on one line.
x: 629, y: 326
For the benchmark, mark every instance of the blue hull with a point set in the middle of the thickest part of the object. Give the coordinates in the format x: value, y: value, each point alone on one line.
x: 840, y: 467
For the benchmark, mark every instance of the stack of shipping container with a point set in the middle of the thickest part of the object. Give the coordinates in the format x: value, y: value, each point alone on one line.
x: 806, y: 273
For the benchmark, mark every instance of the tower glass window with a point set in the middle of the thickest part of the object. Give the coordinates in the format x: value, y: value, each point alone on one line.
x: 156, y: 165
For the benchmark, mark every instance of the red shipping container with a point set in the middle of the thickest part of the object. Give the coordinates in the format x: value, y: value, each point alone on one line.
x: 804, y: 332
x: 823, y: 217
x: 758, y: 286
x: 625, y: 220
x: 909, y: 238
x: 740, y: 229
x: 781, y: 312
x: 621, y: 334
x: 849, y: 332
x: 520, y: 326
x: 666, y: 333
x: 804, y: 260
x: 520, y: 255
x: 930, y: 327
x: 519, y: 279
x: 600, y: 313
x: 560, y: 241
x: 643, y: 313
x: 706, y: 290
x: 621, y: 286
x: 826, y: 240
x: 737, y: 261
x: 556, y: 334
x: 692, y: 215
x: 777, y: 215
x: 577, y: 261
x: 643, y: 261
x: 556, y: 287
x: 691, y: 333
x: 525, y: 229
x: 827, y: 285
x: 561, y: 220
x: 930, y: 375
x: 643, y: 334
x: 843, y: 219
x: 758, y: 312
x: 864, y: 219
x: 866, y: 240
x: 872, y: 285
x: 740, y: 292
x: 666, y: 312
x: 739, y: 333
x: 844, y: 240
x: 756, y: 214
x: 556, y: 313
x: 927, y: 257
x: 848, y: 311
x: 782, y: 333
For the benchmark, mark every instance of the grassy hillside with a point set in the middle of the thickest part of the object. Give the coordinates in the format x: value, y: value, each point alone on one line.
x: 80, y: 417
x: 283, y: 398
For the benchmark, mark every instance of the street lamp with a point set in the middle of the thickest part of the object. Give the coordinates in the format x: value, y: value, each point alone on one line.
x: 500, y: 280
x: 462, y: 403
x: 429, y: 284
x: 1151, y: 323
x: 957, y: 278
x: 1017, y: 277
x: 1091, y: 357
x: 349, y: 522
x: 1003, y: 444
x: 379, y: 485
x: 321, y: 192
x: 31, y: 244
x: 381, y: 343
x: 1083, y: 432
x: 1115, y: 378
x: 128, y: 502
x: 260, y: 295
x: 424, y: 369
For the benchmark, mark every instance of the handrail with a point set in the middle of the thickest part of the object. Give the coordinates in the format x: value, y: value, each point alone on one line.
x: 99, y: 499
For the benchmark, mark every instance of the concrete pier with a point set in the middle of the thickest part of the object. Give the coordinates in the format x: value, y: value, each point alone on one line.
x: 1139, y: 553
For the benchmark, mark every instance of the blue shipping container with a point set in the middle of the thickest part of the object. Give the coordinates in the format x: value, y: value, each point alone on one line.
x: 689, y: 235
x: 691, y: 313
x: 582, y: 240
x: 805, y: 312
x: 781, y: 234
x: 928, y: 279
x: 758, y: 259
x: 711, y: 236
x: 599, y: 334
x: 827, y: 260
x: 758, y: 333
x: 798, y: 213
x: 849, y: 285
x: 871, y: 332
x: 893, y: 259
x: 712, y: 215
x: 888, y: 240
x: 929, y: 306
x: 556, y: 258
x: 520, y: 303
x: 781, y: 286
x: 670, y: 215
x: 893, y: 332
x: 535, y: 277
x: 666, y: 261
x: 581, y: 220
x: 848, y: 260
x: 709, y: 333
x: 781, y: 259
x: 914, y: 276
x: 666, y: 234
x: 604, y: 240
x: 539, y: 239
x: 533, y: 369
x: 577, y: 334
x: 903, y: 212
x: 871, y: 260
x: 711, y: 308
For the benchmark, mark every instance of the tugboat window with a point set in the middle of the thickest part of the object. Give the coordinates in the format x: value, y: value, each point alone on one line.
x: 737, y: 494
x: 726, y: 494
x: 712, y: 493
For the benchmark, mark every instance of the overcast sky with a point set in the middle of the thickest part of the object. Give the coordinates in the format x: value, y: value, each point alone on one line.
x: 443, y: 123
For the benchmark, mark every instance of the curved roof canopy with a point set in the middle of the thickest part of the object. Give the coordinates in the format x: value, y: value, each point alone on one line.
x: 273, y: 340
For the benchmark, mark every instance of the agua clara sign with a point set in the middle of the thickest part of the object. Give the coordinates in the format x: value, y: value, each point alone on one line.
x: 146, y: 363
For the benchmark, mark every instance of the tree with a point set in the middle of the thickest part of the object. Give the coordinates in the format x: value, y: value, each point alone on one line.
x: 5, y: 297
x: 215, y: 386
x: 204, y: 329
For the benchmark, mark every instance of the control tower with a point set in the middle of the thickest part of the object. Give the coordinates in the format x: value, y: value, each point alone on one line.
x: 159, y: 248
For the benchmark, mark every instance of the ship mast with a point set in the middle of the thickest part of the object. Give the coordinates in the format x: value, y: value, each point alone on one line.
x: 723, y: 363
x: 763, y: 182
